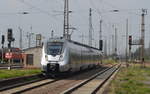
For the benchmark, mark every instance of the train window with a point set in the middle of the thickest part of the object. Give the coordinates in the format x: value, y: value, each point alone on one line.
x: 54, y: 48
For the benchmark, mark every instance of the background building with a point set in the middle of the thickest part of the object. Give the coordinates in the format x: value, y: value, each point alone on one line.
x: 32, y: 57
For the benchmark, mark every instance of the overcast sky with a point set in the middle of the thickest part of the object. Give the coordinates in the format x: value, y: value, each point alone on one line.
x: 47, y: 15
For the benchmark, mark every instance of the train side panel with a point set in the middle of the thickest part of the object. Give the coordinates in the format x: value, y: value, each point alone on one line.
x: 82, y: 57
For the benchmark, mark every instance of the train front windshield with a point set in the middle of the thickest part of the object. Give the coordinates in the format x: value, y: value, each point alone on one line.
x: 54, y: 48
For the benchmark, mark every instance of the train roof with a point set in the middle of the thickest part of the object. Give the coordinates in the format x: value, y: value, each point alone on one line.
x: 83, y: 45
x: 63, y: 40
x: 56, y: 40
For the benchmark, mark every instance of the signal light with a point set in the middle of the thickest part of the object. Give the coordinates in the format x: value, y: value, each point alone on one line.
x: 9, y: 35
x: 3, y: 39
x: 101, y: 45
x: 130, y: 40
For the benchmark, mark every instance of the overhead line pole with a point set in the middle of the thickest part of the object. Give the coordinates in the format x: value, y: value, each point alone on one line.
x: 144, y: 12
x: 66, y: 19
x: 113, y: 51
x: 20, y: 41
x: 100, y: 34
x: 109, y: 45
x: 115, y: 41
x: 127, y: 42
x: 100, y: 37
x: 105, y: 50
x: 90, y: 27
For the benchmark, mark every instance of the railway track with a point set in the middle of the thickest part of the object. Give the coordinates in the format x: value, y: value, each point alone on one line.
x: 19, y: 81
x: 94, y: 83
x: 63, y: 84
x: 52, y: 86
x: 25, y: 87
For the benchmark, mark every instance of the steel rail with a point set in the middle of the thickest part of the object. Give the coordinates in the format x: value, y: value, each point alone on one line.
x: 74, y: 88
x: 30, y: 88
x: 27, y: 87
x: 19, y: 81
x: 101, y: 84
x: 34, y: 87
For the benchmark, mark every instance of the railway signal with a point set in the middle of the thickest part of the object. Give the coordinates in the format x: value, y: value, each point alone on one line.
x: 101, y: 45
x: 2, y: 42
x: 9, y: 35
x: 10, y: 39
x: 130, y: 44
x: 130, y: 40
x: 3, y: 39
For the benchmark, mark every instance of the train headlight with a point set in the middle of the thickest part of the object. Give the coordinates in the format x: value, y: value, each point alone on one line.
x: 61, y: 58
x: 46, y: 57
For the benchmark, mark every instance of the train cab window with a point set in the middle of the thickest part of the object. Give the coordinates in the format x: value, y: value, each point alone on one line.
x: 54, y: 48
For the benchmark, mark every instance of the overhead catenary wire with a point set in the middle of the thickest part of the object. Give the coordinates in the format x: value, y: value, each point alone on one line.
x: 38, y: 9
x: 54, y: 22
x: 34, y: 7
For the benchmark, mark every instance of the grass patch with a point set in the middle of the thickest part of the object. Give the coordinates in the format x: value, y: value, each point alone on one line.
x: 131, y: 80
x: 4, y: 74
x: 109, y: 61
